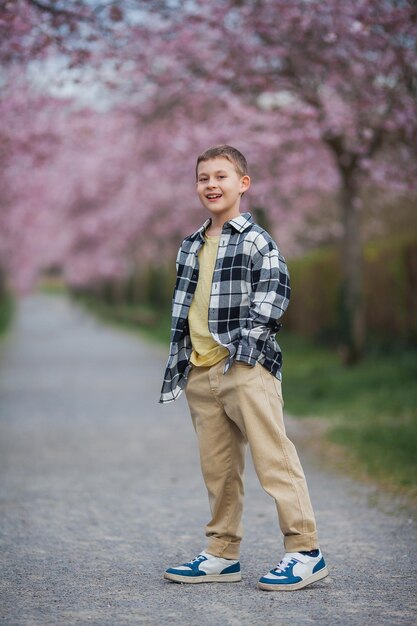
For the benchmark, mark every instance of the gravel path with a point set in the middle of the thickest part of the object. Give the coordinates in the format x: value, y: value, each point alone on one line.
x: 101, y: 491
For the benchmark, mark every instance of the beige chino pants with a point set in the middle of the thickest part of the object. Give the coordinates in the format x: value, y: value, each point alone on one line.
x: 228, y: 411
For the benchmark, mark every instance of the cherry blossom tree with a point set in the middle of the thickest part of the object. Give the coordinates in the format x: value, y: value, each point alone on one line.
x: 347, y: 68
x: 320, y: 96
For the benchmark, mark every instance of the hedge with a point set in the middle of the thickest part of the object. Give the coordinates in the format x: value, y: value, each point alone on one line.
x: 390, y: 292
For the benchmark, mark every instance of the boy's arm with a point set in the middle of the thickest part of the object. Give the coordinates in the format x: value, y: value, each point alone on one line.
x: 269, y: 299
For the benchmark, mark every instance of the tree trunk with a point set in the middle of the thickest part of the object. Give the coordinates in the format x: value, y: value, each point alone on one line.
x: 353, y: 318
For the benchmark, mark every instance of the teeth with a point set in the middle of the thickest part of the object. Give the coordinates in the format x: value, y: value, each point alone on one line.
x: 214, y: 195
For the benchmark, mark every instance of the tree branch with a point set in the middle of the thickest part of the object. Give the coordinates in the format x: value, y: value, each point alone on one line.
x: 52, y: 10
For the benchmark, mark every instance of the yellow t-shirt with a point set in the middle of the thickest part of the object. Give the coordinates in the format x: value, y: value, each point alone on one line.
x: 206, y: 351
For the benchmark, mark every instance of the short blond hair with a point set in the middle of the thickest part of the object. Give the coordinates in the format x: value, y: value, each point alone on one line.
x: 227, y: 152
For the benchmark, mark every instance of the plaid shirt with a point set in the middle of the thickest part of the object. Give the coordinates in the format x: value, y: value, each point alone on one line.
x: 250, y: 291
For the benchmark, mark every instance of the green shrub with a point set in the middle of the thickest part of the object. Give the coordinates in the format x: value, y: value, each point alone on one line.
x: 7, y: 307
x: 390, y: 292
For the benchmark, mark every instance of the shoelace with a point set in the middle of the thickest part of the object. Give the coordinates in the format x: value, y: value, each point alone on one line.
x: 283, y: 565
x: 198, y: 559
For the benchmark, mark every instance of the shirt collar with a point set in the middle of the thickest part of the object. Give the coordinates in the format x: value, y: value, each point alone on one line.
x: 239, y: 223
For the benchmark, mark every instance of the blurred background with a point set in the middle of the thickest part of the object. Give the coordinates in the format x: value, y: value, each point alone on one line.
x: 104, y: 107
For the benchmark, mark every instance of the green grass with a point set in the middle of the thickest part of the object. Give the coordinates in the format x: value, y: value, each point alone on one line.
x: 52, y: 285
x: 7, y: 310
x: 141, y: 318
x: 371, y: 409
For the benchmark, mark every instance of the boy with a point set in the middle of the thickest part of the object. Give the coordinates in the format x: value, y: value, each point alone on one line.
x: 232, y: 286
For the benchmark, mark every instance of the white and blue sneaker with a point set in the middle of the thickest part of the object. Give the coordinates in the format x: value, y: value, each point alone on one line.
x: 206, y: 568
x: 295, y: 571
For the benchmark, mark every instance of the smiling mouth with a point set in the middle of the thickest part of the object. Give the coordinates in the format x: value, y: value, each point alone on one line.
x: 214, y: 196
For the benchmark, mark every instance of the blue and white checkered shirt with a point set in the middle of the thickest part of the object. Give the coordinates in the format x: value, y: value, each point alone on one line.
x: 250, y: 291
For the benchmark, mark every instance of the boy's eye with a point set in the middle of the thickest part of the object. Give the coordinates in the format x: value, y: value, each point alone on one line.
x: 221, y: 176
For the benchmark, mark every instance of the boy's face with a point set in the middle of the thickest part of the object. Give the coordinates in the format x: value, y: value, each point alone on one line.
x: 220, y: 187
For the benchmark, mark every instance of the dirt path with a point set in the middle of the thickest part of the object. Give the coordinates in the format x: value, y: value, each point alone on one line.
x: 101, y: 491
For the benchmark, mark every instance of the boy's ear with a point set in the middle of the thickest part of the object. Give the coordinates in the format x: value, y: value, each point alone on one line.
x: 244, y: 183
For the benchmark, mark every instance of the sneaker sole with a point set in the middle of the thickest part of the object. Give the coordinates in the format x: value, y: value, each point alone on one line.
x: 303, y: 583
x: 209, y: 578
